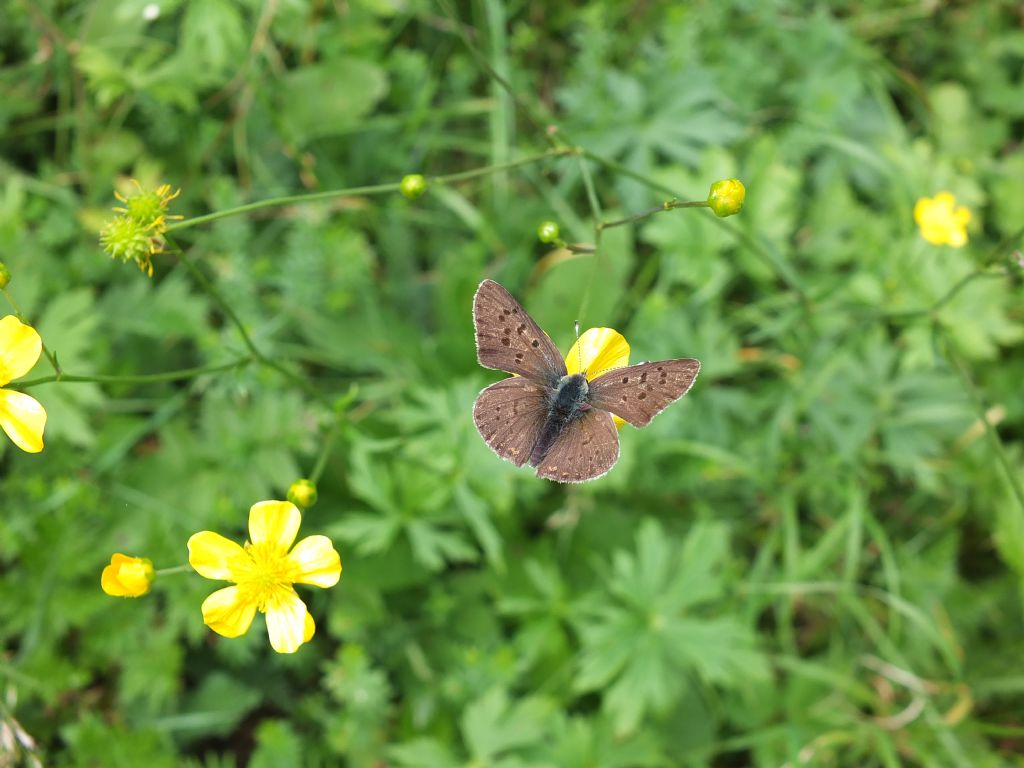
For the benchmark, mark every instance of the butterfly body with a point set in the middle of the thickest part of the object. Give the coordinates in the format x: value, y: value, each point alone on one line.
x: 567, y: 403
x: 558, y: 422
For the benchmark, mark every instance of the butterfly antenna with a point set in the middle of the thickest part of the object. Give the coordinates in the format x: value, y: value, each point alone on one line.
x: 579, y: 351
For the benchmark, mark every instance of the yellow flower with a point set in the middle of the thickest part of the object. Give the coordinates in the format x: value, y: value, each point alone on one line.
x: 941, y: 220
x: 302, y: 493
x: 596, y: 351
x: 127, y: 576
x: 21, y: 416
x: 264, y: 572
x: 726, y: 197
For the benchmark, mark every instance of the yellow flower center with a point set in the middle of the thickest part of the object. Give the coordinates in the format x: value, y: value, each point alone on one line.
x: 264, y: 574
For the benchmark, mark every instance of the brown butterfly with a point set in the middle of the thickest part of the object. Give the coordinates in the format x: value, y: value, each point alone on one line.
x: 559, y: 423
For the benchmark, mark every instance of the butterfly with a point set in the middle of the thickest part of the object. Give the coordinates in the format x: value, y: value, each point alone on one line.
x: 543, y: 416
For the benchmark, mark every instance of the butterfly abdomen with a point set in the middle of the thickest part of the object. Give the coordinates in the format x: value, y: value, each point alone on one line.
x: 567, y: 403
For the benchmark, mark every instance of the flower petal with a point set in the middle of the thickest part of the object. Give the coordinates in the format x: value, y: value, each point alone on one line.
x: 227, y: 613
x: 598, y: 350
x: 286, y: 623
x: 127, y: 576
x: 211, y: 554
x: 309, y: 629
x: 20, y: 346
x: 274, y: 521
x: 23, y: 419
x: 316, y: 562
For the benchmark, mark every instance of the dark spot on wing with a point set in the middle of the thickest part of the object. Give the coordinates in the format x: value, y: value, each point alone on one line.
x: 506, y: 341
x: 641, y: 396
x: 625, y: 379
x: 535, y: 343
x: 508, y: 331
x: 521, y: 328
x: 643, y: 377
x: 519, y: 357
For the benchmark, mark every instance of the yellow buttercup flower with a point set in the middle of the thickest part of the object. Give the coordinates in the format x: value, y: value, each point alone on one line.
x: 263, y: 573
x: 21, y: 416
x: 597, y: 351
x: 941, y: 220
x: 726, y: 197
x: 127, y: 576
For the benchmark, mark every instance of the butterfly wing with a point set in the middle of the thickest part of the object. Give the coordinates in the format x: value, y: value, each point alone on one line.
x: 638, y: 393
x: 507, y: 338
x: 586, y: 449
x: 509, y: 416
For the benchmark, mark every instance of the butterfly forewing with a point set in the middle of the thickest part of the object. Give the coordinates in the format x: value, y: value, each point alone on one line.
x: 507, y: 338
x: 509, y: 416
x: 638, y: 393
x: 586, y: 449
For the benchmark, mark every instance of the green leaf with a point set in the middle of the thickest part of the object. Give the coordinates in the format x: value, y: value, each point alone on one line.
x: 328, y: 99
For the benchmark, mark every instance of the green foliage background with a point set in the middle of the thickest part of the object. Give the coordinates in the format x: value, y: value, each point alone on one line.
x: 815, y: 558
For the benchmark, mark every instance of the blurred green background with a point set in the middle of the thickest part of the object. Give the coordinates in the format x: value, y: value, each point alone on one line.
x: 815, y: 558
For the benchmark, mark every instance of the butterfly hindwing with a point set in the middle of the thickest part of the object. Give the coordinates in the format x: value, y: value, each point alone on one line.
x: 509, y: 340
x: 586, y: 449
x: 640, y: 392
x: 509, y: 416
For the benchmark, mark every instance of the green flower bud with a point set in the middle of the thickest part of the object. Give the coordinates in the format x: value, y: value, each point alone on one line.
x: 547, y: 232
x: 413, y: 186
x: 302, y: 493
x: 726, y: 197
x: 5, y: 275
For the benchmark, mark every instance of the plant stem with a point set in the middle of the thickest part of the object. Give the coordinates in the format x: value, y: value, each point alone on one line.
x: 172, y: 570
x: 374, y: 189
x: 993, y: 436
x: 184, y: 373
x: 214, y: 294
x: 668, y: 205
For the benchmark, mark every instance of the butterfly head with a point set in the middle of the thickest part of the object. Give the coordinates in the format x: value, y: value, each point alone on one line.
x: 571, y: 394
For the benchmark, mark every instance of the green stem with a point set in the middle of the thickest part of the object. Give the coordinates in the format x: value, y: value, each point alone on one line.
x: 325, y: 449
x: 374, y: 189
x: 668, y: 205
x: 993, y: 436
x: 341, y: 408
x: 175, y: 569
x: 622, y: 170
x: 184, y: 373
x: 214, y: 294
x: 948, y: 296
x: 592, y: 199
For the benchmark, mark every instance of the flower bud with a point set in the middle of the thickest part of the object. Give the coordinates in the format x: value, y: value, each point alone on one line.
x: 302, y: 493
x: 5, y: 275
x: 127, y: 576
x: 726, y: 197
x: 412, y: 186
x: 547, y: 232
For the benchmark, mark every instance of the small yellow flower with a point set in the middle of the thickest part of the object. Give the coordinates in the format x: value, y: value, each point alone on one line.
x: 263, y: 573
x: 21, y: 416
x: 597, y: 351
x: 127, y: 576
x: 726, y: 197
x: 941, y: 220
x: 302, y: 493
